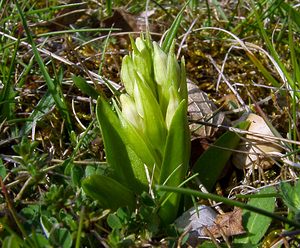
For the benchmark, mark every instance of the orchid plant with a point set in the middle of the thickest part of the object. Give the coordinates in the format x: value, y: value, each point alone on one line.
x: 146, y: 137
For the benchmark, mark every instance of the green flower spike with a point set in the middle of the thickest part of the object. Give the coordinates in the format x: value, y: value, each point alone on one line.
x: 149, y: 129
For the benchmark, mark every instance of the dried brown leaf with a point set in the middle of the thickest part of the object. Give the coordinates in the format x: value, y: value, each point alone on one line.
x: 201, y: 108
x: 228, y: 224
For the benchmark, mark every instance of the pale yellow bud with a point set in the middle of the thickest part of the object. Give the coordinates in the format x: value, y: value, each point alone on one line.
x: 172, y: 106
x: 140, y: 44
x: 159, y: 64
x: 130, y: 112
x: 128, y: 74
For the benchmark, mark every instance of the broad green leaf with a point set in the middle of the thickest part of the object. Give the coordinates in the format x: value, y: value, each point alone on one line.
x: 138, y: 167
x: 85, y: 87
x: 255, y: 224
x: 61, y: 237
x: 116, y: 151
x: 175, y: 161
x: 113, y: 221
x: 77, y: 174
x: 90, y: 170
x: 144, y: 150
x: 291, y: 195
x: 211, y: 163
x: 110, y: 193
x: 12, y: 241
x: 37, y: 241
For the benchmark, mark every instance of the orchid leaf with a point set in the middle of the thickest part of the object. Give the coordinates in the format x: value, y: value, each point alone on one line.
x: 85, y: 87
x: 211, y: 163
x: 116, y: 152
x: 142, y: 149
x: 175, y: 162
x: 110, y: 193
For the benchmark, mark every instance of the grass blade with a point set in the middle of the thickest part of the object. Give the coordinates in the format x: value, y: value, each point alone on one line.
x: 217, y: 198
x: 7, y: 94
x: 173, y: 30
x: 109, y: 7
x: 296, y: 77
x: 273, y: 52
x: 220, y: 10
x: 294, y: 15
x: 58, y: 98
x: 43, y: 107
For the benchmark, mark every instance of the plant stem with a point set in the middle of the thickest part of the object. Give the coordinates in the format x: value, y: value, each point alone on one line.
x: 78, y: 237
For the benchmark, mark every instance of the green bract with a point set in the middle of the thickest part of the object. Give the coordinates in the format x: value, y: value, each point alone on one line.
x: 148, y: 134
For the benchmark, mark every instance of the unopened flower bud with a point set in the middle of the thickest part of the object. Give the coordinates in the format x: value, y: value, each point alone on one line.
x: 140, y: 44
x: 129, y: 111
x: 159, y: 64
x: 173, y: 71
x: 172, y: 106
x: 128, y: 74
